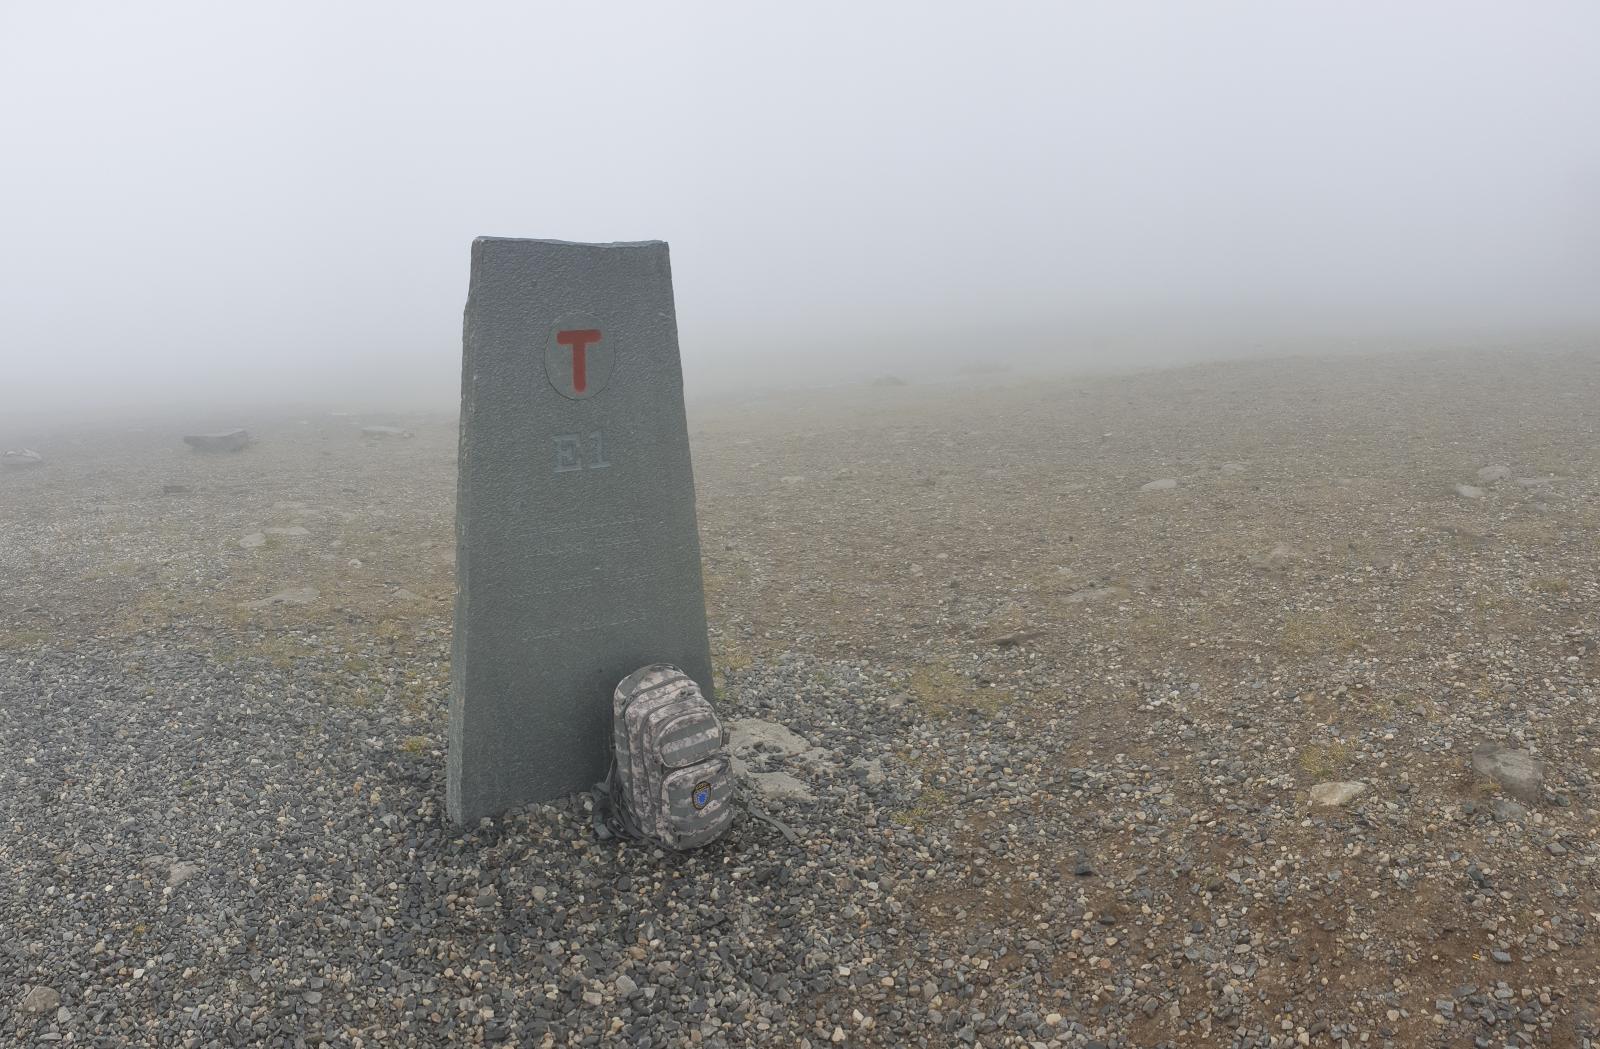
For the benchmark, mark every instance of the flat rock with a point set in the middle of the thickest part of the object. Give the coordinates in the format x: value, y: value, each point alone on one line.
x: 18, y: 458
x: 1492, y: 474
x: 869, y: 772
x: 1232, y: 468
x: 179, y: 873
x: 384, y: 431
x: 1166, y: 484
x: 1336, y: 792
x: 1096, y: 593
x: 751, y: 740
x: 301, y: 595
x: 225, y: 441
x: 41, y: 999
x: 1518, y: 773
x: 779, y: 786
x: 289, y: 530
x: 1013, y: 638
x: 1279, y: 556
x: 1467, y: 491
x: 752, y: 736
x: 253, y: 540
x: 1506, y: 809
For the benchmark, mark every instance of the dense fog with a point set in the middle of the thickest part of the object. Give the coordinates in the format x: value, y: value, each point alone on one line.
x: 224, y: 204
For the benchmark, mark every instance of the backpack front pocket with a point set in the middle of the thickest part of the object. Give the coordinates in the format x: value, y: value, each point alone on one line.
x: 689, y: 737
x: 698, y: 802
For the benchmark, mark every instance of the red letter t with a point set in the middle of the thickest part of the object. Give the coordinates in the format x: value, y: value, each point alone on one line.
x: 579, y: 342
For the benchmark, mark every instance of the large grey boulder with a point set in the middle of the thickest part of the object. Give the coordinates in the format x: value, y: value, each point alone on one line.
x: 225, y: 441
x: 1518, y: 773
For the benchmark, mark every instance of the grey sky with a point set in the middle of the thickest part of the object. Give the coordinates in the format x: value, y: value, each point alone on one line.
x: 229, y: 199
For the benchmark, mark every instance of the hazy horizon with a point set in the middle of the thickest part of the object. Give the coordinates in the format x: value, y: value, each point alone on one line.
x: 229, y: 205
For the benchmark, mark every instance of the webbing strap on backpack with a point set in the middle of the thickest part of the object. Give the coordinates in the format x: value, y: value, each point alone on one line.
x: 762, y: 815
x: 611, y: 818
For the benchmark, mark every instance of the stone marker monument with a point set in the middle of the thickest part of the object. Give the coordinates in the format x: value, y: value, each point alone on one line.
x: 577, y: 553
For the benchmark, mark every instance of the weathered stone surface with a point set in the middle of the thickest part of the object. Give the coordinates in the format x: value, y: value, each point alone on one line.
x: 300, y: 595
x: 1279, y: 556
x: 226, y: 441
x: 578, y: 558
x: 751, y: 736
x: 1519, y: 773
x: 869, y: 772
x: 1336, y: 792
x: 756, y: 744
x: 21, y: 457
x: 384, y: 431
x: 1165, y: 484
x: 1013, y: 638
x: 41, y: 999
x: 1091, y: 594
x: 1467, y: 491
x: 780, y: 786
x: 1493, y: 474
x: 1506, y: 809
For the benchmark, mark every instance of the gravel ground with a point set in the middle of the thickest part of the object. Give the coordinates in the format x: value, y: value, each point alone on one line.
x: 1062, y: 732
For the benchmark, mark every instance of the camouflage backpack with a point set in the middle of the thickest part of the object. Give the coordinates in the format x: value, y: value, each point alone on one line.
x: 670, y: 781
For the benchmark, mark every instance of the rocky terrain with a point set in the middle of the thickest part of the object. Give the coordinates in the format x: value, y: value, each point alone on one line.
x: 1253, y: 704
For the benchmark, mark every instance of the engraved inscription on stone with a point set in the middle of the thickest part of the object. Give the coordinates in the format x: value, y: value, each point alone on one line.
x: 576, y: 452
x: 567, y: 450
